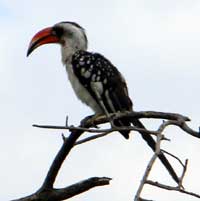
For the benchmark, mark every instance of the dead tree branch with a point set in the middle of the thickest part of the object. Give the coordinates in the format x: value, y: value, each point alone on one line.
x: 68, y: 192
x: 145, y: 180
x: 47, y: 190
x: 175, y: 119
x: 171, y: 188
x: 151, y: 162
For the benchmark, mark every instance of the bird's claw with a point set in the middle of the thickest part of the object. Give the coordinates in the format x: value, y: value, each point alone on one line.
x: 90, y: 119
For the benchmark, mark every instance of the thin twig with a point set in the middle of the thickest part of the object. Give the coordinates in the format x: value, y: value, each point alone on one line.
x: 171, y: 188
x: 142, y: 199
x: 183, y: 174
x: 66, y: 121
x: 178, y: 159
x: 145, y: 176
x: 175, y: 119
x: 94, y: 137
x: 150, y: 164
x: 109, y: 130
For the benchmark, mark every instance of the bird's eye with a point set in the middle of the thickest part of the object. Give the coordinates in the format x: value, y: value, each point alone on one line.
x: 58, y: 31
x: 69, y: 33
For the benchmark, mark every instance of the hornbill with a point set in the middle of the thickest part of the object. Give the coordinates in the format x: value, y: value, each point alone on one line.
x: 95, y: 80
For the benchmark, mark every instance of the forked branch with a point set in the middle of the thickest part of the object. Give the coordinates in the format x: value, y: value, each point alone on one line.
x: 173, y: 119
x: 47, y: 190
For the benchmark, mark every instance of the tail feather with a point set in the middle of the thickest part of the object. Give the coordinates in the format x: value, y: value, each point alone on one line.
x: 151, y: 142
x: 123, y: 123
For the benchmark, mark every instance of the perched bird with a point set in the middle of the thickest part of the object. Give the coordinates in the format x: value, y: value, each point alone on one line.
x: 95, y: 80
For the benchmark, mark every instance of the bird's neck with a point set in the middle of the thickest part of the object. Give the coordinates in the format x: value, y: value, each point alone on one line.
x: 70, y: 48
x: 67, y: 52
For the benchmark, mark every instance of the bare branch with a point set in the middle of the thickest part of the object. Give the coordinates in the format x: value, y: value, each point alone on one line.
x: 66, y: 121
x: 48, y: 192
x: 175, y: 119
x: 178, y: 159
x: 170, y: 188
x: 89, y: 130
x: 142, y: 199
x: 94, y: 137
x: 154, y: 115
x: 183, y: 174
x: 187, y: 129
x: 82, y: 186
x: 68, y: 192
x: 151, y: 162
x: 144, y: 178
x: 60, y: 157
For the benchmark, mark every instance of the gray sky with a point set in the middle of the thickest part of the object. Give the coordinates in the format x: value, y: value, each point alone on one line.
x: 154, y: 44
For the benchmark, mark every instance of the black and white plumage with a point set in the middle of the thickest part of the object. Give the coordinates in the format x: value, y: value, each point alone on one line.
x: 95, y: 80
x: 100, y: 77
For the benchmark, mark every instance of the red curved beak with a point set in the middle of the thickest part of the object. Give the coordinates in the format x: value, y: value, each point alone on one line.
x: 43, y: 37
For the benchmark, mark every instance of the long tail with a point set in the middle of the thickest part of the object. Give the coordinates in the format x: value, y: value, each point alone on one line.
x: 151, y: 142
x: 123, y: 123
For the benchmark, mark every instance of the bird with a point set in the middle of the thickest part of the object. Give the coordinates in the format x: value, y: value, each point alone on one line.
x: 94, y: 79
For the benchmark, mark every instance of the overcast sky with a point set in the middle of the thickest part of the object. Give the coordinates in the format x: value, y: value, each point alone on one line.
x: 156, y: 46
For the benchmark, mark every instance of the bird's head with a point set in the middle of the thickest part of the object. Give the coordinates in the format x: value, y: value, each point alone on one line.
x: 69, y: 35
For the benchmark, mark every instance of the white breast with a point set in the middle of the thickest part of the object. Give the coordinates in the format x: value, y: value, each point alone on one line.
x: 81, y: 92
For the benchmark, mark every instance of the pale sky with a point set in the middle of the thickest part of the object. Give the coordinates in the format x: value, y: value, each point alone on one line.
x: 156, y: 46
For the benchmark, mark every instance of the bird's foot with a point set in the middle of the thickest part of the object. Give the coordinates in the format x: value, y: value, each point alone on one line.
x: 91, y: 119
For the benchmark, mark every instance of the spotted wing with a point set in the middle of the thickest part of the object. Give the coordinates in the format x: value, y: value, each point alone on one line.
x: 97, y: 74
x: 94, y: 70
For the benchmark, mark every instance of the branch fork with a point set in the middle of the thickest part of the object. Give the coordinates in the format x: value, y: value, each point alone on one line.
x: 48, y: 193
